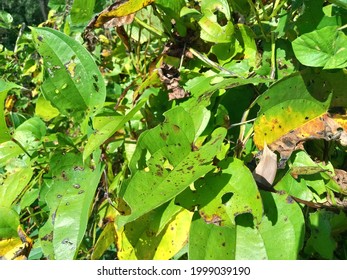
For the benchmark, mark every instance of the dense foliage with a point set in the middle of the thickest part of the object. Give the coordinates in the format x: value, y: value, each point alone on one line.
x: 155, y: 129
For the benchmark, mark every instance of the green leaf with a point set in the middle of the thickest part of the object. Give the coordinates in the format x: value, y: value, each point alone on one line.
x: 8, y: 151
x: 248, y: 43
x: 105, y: 125
x: 340, y: 3
x: 70, y: 196
x: 211, y: 242
x: 82, y: 10
x: 5, y: 20
x: 211, y: 31
x: 321, y: 240
x: 220, y: 197
x: 325, y: 48
x: 30, y: 132
x: 4, y: 88
x: 45, y: 110
x: 213, y: 6
x: 172, y: 11
x: 9, y: 222
x: 280, y: 234
x: 13, y: 184
x: 73, y: 83
x: 164, y: 173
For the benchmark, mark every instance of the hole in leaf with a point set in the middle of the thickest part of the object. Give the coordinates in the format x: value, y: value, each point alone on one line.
x: 226, y: 197
x: 245, y: 220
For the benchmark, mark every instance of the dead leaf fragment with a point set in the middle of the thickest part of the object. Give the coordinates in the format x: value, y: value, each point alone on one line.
x: 119, y: 12
x: 341, y: 178
x: 266, y: 170
x: 323, y: 127
x: 170, y: 77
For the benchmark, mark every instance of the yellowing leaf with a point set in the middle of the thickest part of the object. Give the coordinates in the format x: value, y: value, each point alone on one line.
x: 120, y: 9
x: 16, y: 248
x: 143, y: 240
x: 104, y: 241
x: 285, y: 106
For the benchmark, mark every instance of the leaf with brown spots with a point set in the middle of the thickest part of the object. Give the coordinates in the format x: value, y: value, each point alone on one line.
x: 323, y: 127
x: 295, y: 110
x: 161, y: 168
x: 120, y: 12
x: 286, y: 106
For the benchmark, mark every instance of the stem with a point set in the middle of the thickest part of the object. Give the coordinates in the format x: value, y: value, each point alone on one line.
x: 20, y: 146
x: 273, y: 56
x: 277, y: 7
x: 211, y: 63
x: 255, y: 12
x: 149, y: 28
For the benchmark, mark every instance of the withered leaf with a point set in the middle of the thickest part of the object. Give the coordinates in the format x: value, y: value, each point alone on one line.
x: 323, y: 127
x: 120, y: 12
x: 170, y: 77
x: 306, y: 170
x: 265, y: 172
x: 341, y: 178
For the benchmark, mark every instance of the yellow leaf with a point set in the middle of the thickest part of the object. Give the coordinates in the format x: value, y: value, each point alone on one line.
x: 121, y: 8
x: 16, y: 248
x: 138, y: 240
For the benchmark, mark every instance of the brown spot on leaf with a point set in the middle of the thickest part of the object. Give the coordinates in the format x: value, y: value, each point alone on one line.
x: 163, y: 136
x: 64, y: 176
x: 176, y: 128
x: 78, y: 168
x: 289, y: 200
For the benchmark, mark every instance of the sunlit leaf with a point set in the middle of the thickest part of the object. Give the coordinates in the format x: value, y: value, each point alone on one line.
x: 325, y: 48
x: 280, y: 234
x: 13, y: 184
x: 142, y: 239
x: 221, y: 197
x: 208, y: 241
x: 71, y: 192
x: 73, y: 83
x: 105, y: 125
x: 121, y: 9
x: 290, y: 96
x: 82, y: 10
x: 164, y: 173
